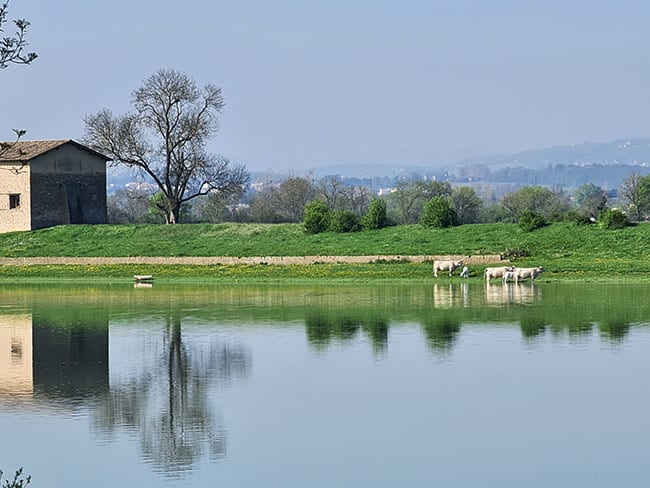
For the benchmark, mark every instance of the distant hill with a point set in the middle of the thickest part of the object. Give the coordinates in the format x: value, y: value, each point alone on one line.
x: 605, y: 164
x: 634, y: 151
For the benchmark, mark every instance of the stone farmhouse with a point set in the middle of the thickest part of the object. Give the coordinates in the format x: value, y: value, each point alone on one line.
x: 47, y: 183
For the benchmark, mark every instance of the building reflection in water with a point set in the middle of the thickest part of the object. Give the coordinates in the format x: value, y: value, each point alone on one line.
x: 50, y: 359
x: 16, y: 370
x: 42, y: 359
x: 70, y: 354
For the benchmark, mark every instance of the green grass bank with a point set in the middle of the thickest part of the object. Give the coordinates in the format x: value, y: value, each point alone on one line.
x: 567, y: 251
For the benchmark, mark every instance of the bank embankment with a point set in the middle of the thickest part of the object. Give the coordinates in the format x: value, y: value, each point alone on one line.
x: 248, y: 260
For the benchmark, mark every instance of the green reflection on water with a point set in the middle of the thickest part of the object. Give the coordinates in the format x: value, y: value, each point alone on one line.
x: 167, y: 403
x: 341, y: 312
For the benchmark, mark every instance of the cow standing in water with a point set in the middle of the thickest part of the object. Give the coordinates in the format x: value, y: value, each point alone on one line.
x: 497, y: 272
x: 525, y: 273
x: 445, y: 265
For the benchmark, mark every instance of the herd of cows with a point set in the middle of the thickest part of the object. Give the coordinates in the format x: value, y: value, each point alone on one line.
x: 506, y: 273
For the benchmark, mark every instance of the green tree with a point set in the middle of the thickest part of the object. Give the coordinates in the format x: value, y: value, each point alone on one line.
x: 466, y: 204
x: 590, y: 199
x: 375, y: 217
x: 612, y: 218
x: 529, y: 221
x: 438, y: 212
x: 549, y: 204
x: 317, y: 217
x: 495, y: 212
x: 343, y: 221
x: 165, y: 137
x: 405, y: 202
x: 433, y: 188
x: 408, y: 198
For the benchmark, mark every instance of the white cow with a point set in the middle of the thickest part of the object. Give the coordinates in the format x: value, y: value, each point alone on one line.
x: 497, y: 272
x: 525, y: 273
x: 465, y: 272
x: 445, y: 265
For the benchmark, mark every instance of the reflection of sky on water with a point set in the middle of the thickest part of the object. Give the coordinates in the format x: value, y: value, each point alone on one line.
x: 200, y: 389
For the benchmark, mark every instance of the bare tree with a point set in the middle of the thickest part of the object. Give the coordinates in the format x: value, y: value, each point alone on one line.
x: 359, y: 199
x: 292, y: 195
x: 635, y: 191
x: 130, y: 206
x: 333, y: 192
x: 166, y: 136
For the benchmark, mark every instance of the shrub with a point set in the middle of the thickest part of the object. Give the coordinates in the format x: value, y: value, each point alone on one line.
x: 375, y: 217
x: 514, y: 253
x: 317, y: 217
x: 343, y: 221
x: 612, y: 218
x: 529, y: 221
x: 578, y: 218
x: 438, y: 212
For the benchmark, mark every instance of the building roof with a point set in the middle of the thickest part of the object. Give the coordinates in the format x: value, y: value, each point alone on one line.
x: 23, y: 151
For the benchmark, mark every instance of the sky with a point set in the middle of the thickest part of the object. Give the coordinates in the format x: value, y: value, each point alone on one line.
x: 316, y: 83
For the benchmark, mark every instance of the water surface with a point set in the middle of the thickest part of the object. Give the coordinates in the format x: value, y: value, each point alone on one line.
x: 348, y: 386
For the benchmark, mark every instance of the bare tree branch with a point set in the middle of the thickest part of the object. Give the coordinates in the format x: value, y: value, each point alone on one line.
x: 12, y: 48
x: 165, y: 137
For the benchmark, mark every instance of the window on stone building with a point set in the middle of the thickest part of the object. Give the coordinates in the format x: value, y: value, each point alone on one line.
x: 14, y: 201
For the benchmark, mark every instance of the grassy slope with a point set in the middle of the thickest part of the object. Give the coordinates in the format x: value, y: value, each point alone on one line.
x: 561, y: 248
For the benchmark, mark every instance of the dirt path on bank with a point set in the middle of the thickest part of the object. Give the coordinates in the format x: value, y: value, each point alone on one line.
x: 227, y: 260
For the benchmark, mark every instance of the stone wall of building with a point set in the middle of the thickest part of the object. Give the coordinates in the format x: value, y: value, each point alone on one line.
x: 14, y: 180
x: 68, y: 187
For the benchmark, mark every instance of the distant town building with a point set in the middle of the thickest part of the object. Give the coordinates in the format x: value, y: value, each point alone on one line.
x: 47, y: 183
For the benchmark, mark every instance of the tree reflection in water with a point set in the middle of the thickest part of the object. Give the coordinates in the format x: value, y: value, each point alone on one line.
x: 322, y: 328
x: 441, y: 332
x: 614, y: 330
x: 532, y: 326
x: 168, y: 405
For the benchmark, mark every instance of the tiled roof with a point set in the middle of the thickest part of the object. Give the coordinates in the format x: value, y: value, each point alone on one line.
x: 26, y: 150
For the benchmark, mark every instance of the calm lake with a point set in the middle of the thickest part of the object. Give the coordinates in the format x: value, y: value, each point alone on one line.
x: 450, y: 385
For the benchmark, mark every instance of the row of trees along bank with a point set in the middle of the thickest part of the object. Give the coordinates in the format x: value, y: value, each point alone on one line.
x: 430, y: 203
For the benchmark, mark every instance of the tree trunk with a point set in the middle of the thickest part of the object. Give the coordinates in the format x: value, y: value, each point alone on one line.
x: 172, y: 215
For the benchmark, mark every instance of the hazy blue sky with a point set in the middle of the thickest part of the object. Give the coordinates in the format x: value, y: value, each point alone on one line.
x: 310, y: 83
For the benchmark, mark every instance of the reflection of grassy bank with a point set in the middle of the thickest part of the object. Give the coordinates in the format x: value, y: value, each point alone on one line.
x: 341, y: 312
